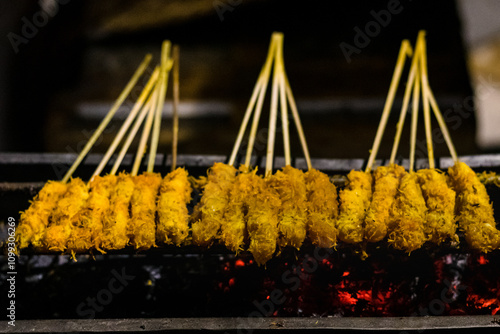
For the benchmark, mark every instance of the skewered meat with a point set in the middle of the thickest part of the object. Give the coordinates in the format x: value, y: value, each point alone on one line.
x: 262, y: 223
x: 322, y: 209
x: 234, y: 226
x: 386, y: 182
x: 87, y: 223
x: 213, y: 203
x: 292, y: 213
x: 35, y: 219
x: 59, y: 230
x: 474, y: 209
x: 173, y: 217
x: 117, y: 218
x: 354, y: 203
x: 143, y: 208
x: 406, y: 228
x: 440, y: 200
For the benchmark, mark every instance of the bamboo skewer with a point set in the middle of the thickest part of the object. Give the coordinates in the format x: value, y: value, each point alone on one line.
x: 284, y: 110
x: 442, y: 124
x: 145, y: 134
x: 123, y: 95
x: 255, y: 121
x: 414, y: 120
x: 166, y: 65
x: 425, y: 99
x: 256, y: 91
x: 404, y: 51
x: 140, y: 118
x: 274, y: 110
x: 406, y: 101
x: 128, y: 121
x: 175, y: 106
x: 298, y: 123
x: 264, y: 81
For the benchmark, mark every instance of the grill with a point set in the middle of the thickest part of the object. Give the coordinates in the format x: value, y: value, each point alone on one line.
x: 190, y: 289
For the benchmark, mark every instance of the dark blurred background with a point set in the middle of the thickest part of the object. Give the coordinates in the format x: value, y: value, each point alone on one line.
x: 64, y: 62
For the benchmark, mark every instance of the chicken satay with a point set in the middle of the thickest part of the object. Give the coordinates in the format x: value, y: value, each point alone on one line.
x: 406, y: 228
x: 35, y: 219
x: 142, y: 229
x: 234, y: 225
x: 354, y: 203
x: 173, y: 216
x: 117, y: 217
x: 262, y: 222
x: 292, y: 213
x: 440, y: 200
x: 213, y: 204
x: 59, y: 230
x: 88, y: 222
x: 474, y: 209
x: 386, y: 182
x: 322, y: 207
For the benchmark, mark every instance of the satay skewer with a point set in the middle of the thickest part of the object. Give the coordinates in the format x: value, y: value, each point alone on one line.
x: 166, y: 66
x: 145, y: 110
x: 414, y: 121
x: 175, y: 106
x: 123, y: 95
x: 404, y: 51
x: 425, y: 99
x: 263, y: 81
x: 128, y: 121
x: 298, y: 123
x: 411, y: 82
x: 274, y: 110
x: 442, y: 123
x: 260, y: 86
x: 145, y: 134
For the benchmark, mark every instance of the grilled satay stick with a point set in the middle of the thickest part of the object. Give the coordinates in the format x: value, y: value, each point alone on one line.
x: 408, y: 216
x: 35, y: 219
x: 57, y: 234
x: 234, y: 225
x: 292, y: 214
x: 142, y: 226
x: 474, y: 209
x: 207, y: 227
x: 87, y: 223
x: 173, y: 217
x: 354, y: 203
x: 322, y: 208
x: 262, y: 219
x: 440, y: 199
x: 386, y: 182
x: 117, y: 218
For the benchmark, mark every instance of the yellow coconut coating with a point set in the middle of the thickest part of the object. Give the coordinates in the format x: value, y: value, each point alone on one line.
x: 474, y: 209
x: 213, y: 204
x: 59, y: 230
x: 87, y: 223
x: 322, y: 207
x: 290, y: 185
x: 117, y: 217
x: 489, y: 177
x: 173, y: 216
x: 35, y: 219
x: 440, y: 199
x: 406, y: 228
x: 262, y: 220
x: 234, y: 226
x: 386, y: 182
x: 354, y: 203
x: 142, y: 229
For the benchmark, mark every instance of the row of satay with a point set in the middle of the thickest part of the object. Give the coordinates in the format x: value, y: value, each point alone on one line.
x: 245, y: 211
